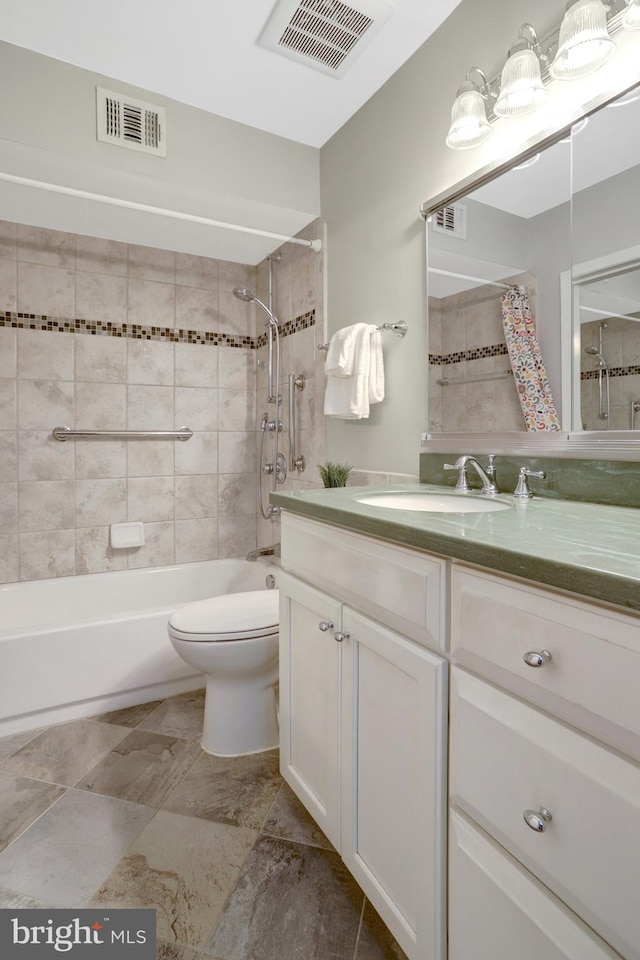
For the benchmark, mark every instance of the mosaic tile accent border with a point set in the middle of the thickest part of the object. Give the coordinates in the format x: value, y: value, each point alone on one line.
x: 631, y: 371
x: 134, y: 331
x: 476, y: 353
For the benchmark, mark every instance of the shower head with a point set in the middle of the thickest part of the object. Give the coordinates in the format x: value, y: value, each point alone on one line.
x: 243, y: 293
x: 592, y: 351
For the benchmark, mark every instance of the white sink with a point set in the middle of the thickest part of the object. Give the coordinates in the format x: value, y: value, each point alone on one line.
x: 434, y: 502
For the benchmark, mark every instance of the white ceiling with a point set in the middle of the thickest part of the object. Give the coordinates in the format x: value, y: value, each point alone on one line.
x: 204, y: 53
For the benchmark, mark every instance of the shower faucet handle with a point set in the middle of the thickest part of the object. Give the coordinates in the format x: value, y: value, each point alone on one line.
x: 522, y: 491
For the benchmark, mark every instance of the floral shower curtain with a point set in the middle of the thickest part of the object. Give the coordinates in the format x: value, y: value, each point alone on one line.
x: 532, y: 384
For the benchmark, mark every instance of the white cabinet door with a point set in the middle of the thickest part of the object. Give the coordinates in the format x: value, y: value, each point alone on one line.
x: 393, y: 780
x: 498, y: 911
x: 310, y: 700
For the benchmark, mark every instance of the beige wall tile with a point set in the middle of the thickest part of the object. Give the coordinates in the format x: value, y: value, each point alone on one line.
x: 9, y: 508
x: 94, y: 553
x: 96, y: 459
x: 196, y: 540
x: 236, y: 410
x: 200, y: 272
x: 151, y: 303
x: 150, y: 408
x: 101, y: 256
x: 236, y: 536
x: 44, y: 458
x: 198, y: 309
x: 8, y: 409
x: 46, y: 290
x: 8, y: 239
x: 158, y: 550
x: 47, y: 554
x: 150, y: 458
x: 196, y: 407
x: 237, y: 452
x: 101, y: 406
x: 196, y: 496
x: 45, y: 356
x: 8, y: 558
x: 8, y: 285
x: 197, y: 364
x: 237, y: 369
x: 237, y: 495
x: 101, y: 297
x: 150, y: 361
x: 50, y: 247
x: 45, y: 505
x: 44, y: 404
x: 101, y: 358
x: 150, y: 498
x: 197, y: 455
x: 149, y: 263
x: 8, y: 352
x: 100, y: 502
x: 8, y: 455
x: 236, y: 316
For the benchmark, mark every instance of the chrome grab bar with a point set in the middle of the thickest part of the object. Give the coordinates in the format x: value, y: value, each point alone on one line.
x: 66, y: 433
x: 297, y: 462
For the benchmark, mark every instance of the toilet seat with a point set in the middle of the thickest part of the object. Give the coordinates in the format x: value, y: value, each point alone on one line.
x: 235, y: 616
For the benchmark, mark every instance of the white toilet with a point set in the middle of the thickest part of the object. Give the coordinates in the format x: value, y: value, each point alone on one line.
x: 233, y: 639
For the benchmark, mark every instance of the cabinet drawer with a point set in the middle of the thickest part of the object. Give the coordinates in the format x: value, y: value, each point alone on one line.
x: 498, y: 910
x: 507, y: 757
x: 593, y: 677
x: 402, y: 589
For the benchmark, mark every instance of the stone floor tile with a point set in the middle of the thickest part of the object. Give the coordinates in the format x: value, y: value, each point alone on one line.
x: 16, y: 901
x: 375, y: 941
x: 9, y: 745
x: 173, y: 951
x: 129, y: 716
x: 63, y: 857
x: 234, y: 790
x: 289, y: 820
x: 144, y: 768
x: 291, y: 901
x: 21, y: 802
x: 64, y: 753
x: 182, y: 867
x: 180, y: 716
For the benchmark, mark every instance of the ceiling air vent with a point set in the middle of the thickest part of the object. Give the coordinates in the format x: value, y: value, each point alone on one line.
x: 451, y: 219
x: 130, y: 123
x: 324, y: 34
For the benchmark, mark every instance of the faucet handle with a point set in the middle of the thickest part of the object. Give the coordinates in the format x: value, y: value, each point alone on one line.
x: 522, y: 491
x: 463, y: 479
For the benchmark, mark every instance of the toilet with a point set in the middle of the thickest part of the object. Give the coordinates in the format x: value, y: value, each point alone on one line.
x: 233, y: 640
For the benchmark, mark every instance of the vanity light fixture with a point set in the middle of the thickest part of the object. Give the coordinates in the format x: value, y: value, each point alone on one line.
x: 469, y: 124
x: 521, y: 87
x: 631, y: 18
x: 584, y: 43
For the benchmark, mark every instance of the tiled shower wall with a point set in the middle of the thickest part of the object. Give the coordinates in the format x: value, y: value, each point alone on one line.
x: 124, y: 337
x: 466, y: 339
x: 621, y: 351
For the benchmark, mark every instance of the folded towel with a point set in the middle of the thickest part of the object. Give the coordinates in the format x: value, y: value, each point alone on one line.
x: 376, y: 368
x: 341, y: 352
x: 347, y: 396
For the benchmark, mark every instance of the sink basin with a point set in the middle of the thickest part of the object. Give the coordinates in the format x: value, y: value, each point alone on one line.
x: 434, y: 502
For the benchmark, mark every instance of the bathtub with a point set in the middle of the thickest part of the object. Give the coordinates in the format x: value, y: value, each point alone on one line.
x: 77, y: 646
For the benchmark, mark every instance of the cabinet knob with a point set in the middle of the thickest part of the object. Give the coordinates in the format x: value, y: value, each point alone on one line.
x: 537, y: 819
x: 341, y: 635
x: 533, y: 658
x: 325, y: 625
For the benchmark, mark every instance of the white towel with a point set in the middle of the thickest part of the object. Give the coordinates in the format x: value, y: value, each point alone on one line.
x: 376, y: 368
x: 341, y: 352
x: 347, y: 395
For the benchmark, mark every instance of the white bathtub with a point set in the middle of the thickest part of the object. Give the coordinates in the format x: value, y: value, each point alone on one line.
x: 76, y: 646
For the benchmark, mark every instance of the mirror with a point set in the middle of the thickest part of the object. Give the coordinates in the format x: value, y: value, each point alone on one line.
x: 559, y: 237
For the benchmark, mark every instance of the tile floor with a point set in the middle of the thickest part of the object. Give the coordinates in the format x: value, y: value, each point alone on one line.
x: 126, y: 810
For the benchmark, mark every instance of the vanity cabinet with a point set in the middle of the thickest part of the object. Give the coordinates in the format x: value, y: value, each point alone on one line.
x: 363, y: 719
x: 544, y: 783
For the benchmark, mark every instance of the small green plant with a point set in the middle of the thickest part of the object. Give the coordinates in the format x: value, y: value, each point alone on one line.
x: 334, y: 474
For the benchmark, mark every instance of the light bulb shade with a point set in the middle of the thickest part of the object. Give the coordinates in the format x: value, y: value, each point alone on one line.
x: 584, y: 43
x: 521, y: 89
x: 631, y: 18
x: 469, y: 124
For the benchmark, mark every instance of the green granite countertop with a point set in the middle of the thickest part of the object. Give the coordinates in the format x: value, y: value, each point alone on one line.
x: 587, y: 548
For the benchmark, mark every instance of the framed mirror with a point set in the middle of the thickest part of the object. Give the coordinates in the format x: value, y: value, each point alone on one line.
x: 557, y: 235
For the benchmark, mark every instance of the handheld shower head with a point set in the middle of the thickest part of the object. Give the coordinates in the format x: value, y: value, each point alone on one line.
x: 592, y: 351
x: 243, y: 293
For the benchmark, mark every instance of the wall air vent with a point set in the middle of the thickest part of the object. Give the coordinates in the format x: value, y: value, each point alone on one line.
x: 452, y: 220
x: 324, y: 34
x: 130, y: 123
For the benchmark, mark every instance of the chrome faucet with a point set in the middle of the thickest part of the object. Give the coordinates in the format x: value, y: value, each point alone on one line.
x: 522, y: 491
x: 488, y: 478
x: 271, y: 551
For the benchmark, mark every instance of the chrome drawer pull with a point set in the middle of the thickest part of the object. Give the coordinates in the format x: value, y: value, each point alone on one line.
x: 537, y: 819
x: 325, y: 625
x: 342, y: 636
x: 534, y: 659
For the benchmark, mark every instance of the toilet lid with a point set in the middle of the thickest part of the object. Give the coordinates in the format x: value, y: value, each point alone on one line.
x: 235, y: 615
